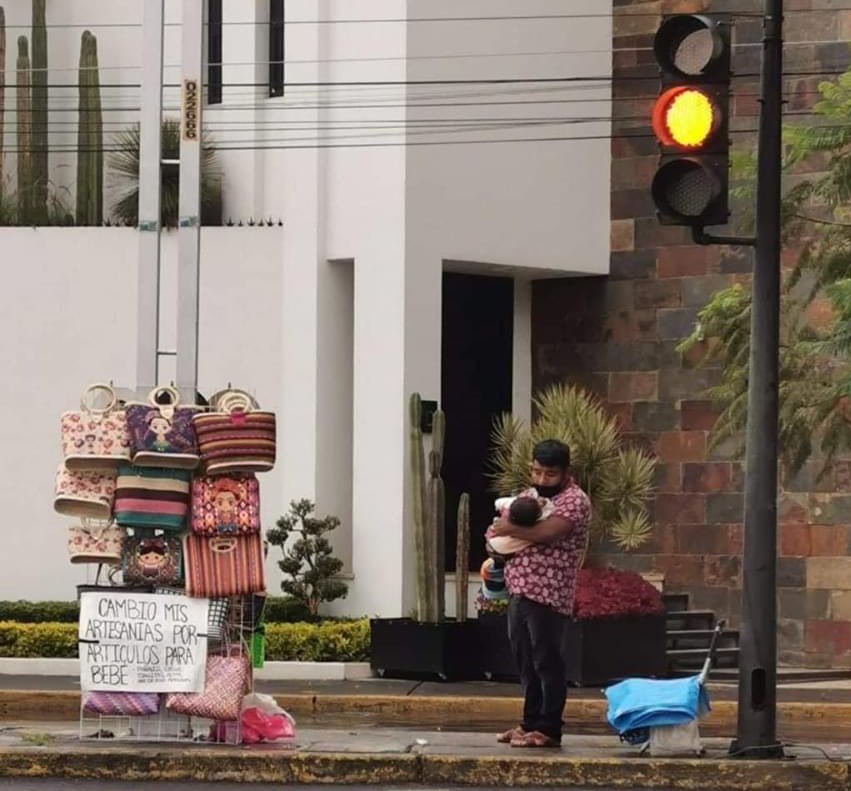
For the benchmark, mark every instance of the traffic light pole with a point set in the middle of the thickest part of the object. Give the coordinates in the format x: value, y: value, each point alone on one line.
x: 756, y: 734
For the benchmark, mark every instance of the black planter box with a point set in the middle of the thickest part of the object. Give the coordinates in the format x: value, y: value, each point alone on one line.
x: 495, y: 650
x: 404, y: 648
x: 601, y: 651
x: 596, y: 652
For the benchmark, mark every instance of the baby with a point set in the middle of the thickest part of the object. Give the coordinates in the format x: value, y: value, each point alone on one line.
x: 524, y: 511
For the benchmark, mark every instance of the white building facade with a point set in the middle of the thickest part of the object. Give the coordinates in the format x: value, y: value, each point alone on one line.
x: 412, y: 139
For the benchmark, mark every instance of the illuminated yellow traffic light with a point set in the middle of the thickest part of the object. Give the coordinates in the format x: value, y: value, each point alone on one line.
x: 684, y: 117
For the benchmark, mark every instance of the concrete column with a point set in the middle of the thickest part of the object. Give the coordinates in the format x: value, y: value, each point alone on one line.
x: 521, y: 400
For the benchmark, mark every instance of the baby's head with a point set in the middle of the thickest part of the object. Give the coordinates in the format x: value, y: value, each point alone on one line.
x: 524, y: 511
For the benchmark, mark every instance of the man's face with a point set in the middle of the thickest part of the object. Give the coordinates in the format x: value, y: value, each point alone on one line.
x: 547, y: 480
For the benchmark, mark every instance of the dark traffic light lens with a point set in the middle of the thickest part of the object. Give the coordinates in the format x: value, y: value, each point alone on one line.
x: 684, y: 188
x: 688, y: 45
x: 694, y: 53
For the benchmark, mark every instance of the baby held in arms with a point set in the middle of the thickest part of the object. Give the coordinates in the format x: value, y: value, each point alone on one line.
x: 523, y: 511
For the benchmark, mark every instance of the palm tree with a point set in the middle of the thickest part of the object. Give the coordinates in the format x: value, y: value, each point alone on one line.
x: 617, y: 478
x: 124, y: 166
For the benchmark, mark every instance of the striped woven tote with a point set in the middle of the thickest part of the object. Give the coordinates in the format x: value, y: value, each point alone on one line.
x: 223, y: 565
x: 152, y: 498
x: 236, y: 436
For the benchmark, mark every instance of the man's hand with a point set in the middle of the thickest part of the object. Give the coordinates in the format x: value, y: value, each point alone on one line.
x: 502, y: 527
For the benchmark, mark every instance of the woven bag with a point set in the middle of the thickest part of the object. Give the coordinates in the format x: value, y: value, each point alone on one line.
x: 92, y: 542
x: 152, y: 498
x: 236, y: 436
x: 95, y: 438
x: 225, y: 683
x: 161, y: 435
x: 87, y: 495
x: 127, y: 704
x: 225, y: 505
x: 223, y: 565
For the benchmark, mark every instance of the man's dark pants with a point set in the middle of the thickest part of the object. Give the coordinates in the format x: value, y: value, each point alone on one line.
x: 536, y: 632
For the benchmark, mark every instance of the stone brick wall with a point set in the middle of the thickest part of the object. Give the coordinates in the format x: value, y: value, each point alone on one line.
x: 618, y: 336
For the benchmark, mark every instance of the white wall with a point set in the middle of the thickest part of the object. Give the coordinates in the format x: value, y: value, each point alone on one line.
x: 68, y: 318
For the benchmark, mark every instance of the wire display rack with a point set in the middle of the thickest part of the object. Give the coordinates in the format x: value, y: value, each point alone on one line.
x: 232, y: 622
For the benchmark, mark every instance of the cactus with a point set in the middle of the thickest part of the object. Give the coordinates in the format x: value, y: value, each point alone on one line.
x: 89, y: 136
x: 2, y: 89
x: 429, y: 498
x: 23, y: 112
x: 40, y: 175
x: 462, y: 558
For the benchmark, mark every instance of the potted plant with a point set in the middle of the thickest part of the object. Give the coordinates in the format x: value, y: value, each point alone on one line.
x: 429, y: 644
x: 619, y: 480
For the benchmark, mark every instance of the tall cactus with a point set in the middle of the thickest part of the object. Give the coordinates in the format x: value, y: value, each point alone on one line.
x: 89, y: 136
x: 23, y: 112
x: 2, y: 90
x: 462, y: 558
x: 40, y: 174
x: 428, y: 506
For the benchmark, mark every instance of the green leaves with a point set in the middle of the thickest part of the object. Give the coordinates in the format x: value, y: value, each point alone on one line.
x: 617, y: 478
x: 308, y: 565
x: 815, y: 368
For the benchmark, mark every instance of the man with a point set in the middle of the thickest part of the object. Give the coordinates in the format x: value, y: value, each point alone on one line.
x: 541, y: 581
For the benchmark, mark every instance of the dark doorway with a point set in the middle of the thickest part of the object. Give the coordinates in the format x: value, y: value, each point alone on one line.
x: 476, y: 385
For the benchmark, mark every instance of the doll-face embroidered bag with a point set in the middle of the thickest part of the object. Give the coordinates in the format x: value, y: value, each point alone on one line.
x: 225, y: 505
x: 161, y: 434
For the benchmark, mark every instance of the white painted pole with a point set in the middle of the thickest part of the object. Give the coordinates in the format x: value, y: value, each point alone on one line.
x: 189, y: 233
x: 148, y: 297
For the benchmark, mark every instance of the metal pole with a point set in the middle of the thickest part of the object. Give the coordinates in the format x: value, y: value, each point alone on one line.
x: 756, y: 735
x: 148, y: 295
x: 189, y: 232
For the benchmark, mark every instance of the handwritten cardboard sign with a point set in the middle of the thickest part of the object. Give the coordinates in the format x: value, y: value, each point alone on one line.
x: 142, y: 642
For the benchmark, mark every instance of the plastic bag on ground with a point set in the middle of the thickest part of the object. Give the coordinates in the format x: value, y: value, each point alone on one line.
x: 263, y: 720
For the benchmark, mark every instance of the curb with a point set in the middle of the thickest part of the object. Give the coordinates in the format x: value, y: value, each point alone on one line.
x: 29, y: 705
x: 200, y: 764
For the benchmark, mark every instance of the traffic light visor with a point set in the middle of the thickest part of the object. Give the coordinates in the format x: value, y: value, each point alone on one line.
x: 685, y: 117
x: 688, y: 45
x: 685, y: 188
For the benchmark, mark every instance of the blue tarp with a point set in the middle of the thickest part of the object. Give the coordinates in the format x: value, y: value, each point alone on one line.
x: 640, y: 703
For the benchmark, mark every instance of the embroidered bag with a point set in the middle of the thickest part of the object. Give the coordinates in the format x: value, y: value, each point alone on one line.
x: 127, y: 704
x: 224, y: 565
x: 161, y: 435
x: 236, y: 436
x: 95, y: 438
x: 225, y: 505
x: 157, y: 560
x: 84, y: 494
x: 152, y: 498
x: 226, y: 681
x: 92, y: 542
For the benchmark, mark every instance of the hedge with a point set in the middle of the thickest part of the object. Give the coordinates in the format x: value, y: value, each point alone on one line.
x: 332, y: 641
x: 279, y: 609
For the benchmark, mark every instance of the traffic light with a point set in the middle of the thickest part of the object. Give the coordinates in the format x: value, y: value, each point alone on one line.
x: 691, y: 120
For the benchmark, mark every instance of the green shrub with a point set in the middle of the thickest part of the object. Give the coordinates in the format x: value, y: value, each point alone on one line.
x: 54, y: 640
x: 330, y: 641
x: 285, y: 609
x: 40, y: 611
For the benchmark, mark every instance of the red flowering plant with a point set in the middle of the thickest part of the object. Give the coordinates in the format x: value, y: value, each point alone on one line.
x: 610, y: 593
x: 601, y: 593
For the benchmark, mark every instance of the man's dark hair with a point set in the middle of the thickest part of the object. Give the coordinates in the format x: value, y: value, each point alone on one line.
x: 552, y: 453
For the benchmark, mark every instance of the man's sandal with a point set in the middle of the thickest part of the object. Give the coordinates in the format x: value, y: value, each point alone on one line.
x: 514, y: 733
x: 534, y: 739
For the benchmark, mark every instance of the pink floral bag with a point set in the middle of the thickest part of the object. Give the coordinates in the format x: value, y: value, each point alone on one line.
x: 84, y: 494
x: 96, y: 437
x: 93, y: 542
x: 225, y: 683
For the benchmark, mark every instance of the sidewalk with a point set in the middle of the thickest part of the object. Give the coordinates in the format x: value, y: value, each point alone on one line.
x: 819, y: 711
x: 422, y: 756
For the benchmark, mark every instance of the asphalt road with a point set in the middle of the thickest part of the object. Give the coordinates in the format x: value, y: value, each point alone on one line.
x: 12, y: 784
